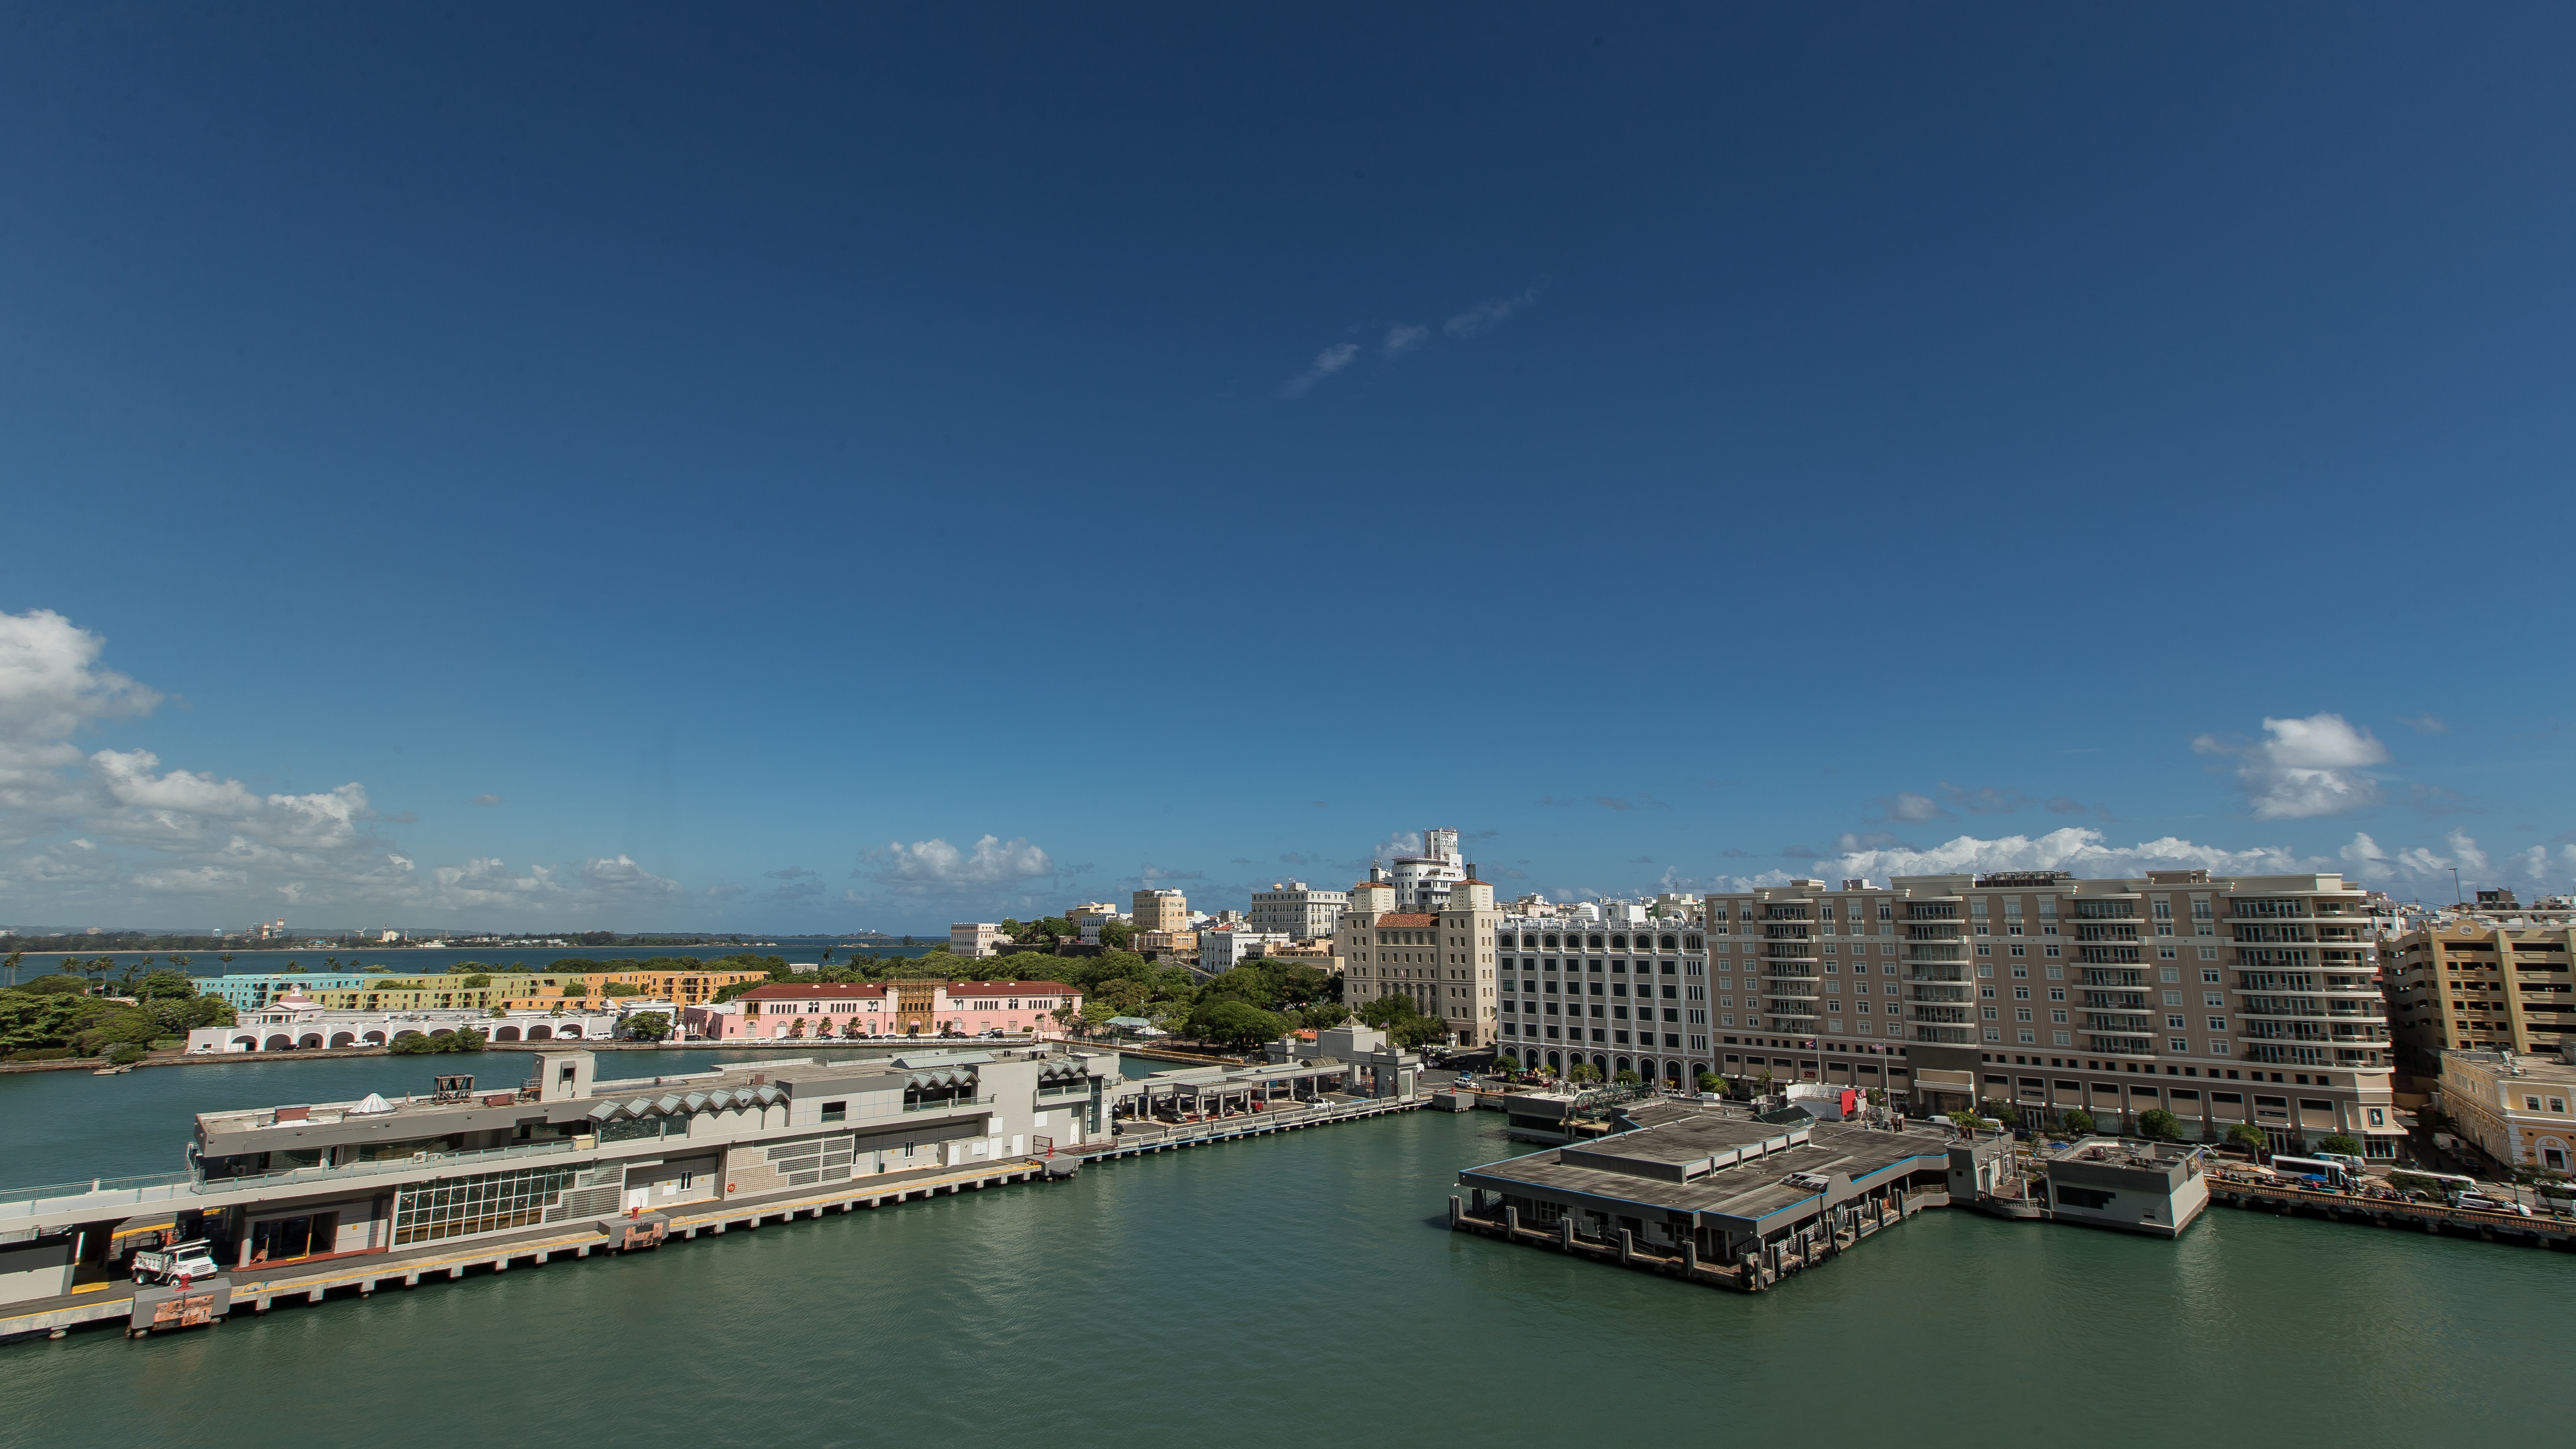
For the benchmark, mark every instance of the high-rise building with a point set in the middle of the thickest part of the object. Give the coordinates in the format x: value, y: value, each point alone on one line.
x: 2248, y: 999
x: 1443, y: 959
x: 1297, y: 910
x: 2493, y: 978
x: 1161, y: 910
x: 1422, y: 882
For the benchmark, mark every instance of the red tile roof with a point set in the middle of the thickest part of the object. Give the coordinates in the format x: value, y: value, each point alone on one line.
x: 819, y: 990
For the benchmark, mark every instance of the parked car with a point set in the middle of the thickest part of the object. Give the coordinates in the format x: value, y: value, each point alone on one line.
x: 2480, y: 1202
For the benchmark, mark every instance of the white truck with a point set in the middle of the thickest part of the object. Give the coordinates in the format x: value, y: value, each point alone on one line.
x: 194, y: 1259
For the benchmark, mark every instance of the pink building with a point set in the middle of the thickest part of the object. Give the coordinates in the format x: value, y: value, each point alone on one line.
x: 800, y: 1011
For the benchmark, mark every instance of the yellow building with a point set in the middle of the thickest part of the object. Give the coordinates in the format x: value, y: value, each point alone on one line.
x: 2471, y: 982
x: 1160, y: 910
x: 533, y: 990
x: 2515, y: 1108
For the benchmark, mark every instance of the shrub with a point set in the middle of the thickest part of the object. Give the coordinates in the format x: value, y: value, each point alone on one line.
x: 2158, y: 1123
x: 126, y: 1054
x: 40, y: 1054
x: 2344, y: 1143
x: 2078, y: 1121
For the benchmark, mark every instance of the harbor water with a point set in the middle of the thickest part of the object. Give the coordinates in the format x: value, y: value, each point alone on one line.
x: 1295, y: 1289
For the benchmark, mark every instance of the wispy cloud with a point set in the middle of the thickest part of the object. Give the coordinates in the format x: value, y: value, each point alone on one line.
x: 1488, y: 314
x: 2435, y: 800
x: 487, y: 800
x: 1984, y: 800
x: 1327, y: 362
x: 2424, y: 724
x: 1906, y: 807
x: 2306, y: 768
x: 1402, y: 338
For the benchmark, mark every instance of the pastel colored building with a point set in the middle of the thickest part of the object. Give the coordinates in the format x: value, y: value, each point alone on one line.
x: 803, y: 1011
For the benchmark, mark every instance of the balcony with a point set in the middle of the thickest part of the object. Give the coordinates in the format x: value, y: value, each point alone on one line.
x: 2125, y: 980
x: 1945, y: 1015
x: 2120, y: 1046
x: 1946, y: 1035
x: 1940, y: 995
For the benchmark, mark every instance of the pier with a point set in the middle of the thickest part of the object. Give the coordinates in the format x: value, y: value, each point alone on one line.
x: 1136, y: 1139
x: 361, y: 1275
x: 2430, y: 1217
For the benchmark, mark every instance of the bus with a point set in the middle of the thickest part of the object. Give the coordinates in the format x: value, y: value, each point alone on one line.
x: 2433, y: 1184
x: 2314, y: 1169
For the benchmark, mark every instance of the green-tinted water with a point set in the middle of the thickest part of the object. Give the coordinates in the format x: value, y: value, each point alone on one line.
x: 1300, y: 1289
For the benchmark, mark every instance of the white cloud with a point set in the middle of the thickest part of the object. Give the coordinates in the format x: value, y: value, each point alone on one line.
x: 51, y: 689
x: 1327, y: 362
x: 112, y: 834
x: 1402, y: 338
x: 1401, y: 843
x: 2308, y: 767
x: 2081, y: 851
x: 928, y: 867
x: 1488, y: 314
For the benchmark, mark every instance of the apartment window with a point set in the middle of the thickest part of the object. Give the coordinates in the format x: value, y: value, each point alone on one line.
x: 2057, y: 1015
x: 2175, y: 1023
x: 2211, y: 978
x: 2218, y: 1048
x: 2049, y: 950
x: 1984, y: 949
x: 2021, y: 1013
x: 2209, y: 953
x: 2057, y: 1038
x: 836, y: 1111
x: 2166, y: 953
x: 2020, y: 951
x: 2021, y: 993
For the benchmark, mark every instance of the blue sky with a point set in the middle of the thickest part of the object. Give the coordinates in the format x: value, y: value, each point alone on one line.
x: 815, y: 469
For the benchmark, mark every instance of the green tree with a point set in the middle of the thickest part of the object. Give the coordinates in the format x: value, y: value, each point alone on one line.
x: 1116, y: 933
x: 2158, y: 1124
x: 1245, y: 984
x: 1234, y: 1022
x: 1626, y: 1077
x: 1385, y: 1011
x: 648, y: 1025
x: 412, y: 1044
x: 1583, y: 1072
x: 2078, y: 1122
x: 1711, y: 1082
x: 1323, y: 1015
x: 2245, y: 1134
x: 621, y: 988
x: 126, y: 1053
x: 165, y: 984
x: 2340, y: 1143
x: 464, y: 1039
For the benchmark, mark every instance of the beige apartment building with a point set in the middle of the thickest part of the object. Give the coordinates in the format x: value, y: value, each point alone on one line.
x: 2482, y: 982
x: 1297, y: 910
x: 1443, y: 959
x: 2515, y: 1108
x: 1160, y: 910
x: 2247, y: 999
